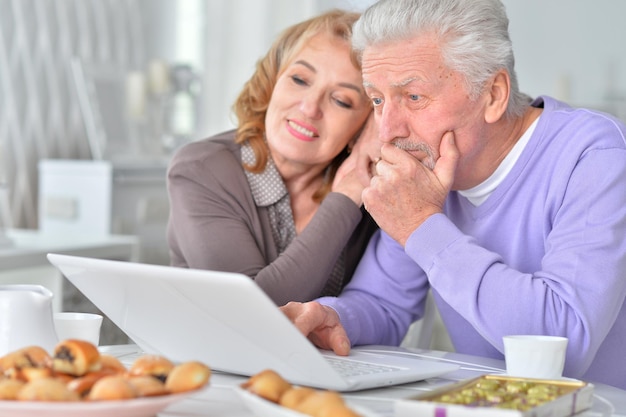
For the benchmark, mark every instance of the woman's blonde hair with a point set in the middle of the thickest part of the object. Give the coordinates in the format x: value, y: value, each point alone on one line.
x: 251, y: 105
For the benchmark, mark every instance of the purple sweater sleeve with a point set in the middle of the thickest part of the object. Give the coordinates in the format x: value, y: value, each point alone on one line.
x: 386, y: 294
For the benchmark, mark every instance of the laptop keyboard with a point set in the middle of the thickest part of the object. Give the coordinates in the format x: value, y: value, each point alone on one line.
x: 348, y: 368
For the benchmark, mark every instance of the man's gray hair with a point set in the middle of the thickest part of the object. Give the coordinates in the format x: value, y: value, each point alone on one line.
x: 474, y: 37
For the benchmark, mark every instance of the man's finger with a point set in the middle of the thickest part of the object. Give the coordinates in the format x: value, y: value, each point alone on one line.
x: 445, y: 168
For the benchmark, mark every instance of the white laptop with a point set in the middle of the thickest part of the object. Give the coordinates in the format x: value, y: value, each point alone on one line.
x: 228, y: 322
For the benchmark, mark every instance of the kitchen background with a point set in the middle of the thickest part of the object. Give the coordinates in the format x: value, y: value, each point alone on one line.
x: 127, y: 81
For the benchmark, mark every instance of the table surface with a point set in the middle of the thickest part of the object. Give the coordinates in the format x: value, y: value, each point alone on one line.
x: 219, y: 399
x: 29, y: 247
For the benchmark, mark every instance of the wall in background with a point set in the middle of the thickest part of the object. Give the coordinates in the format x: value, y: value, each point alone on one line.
x: 571, y: 49
x: 39, y: 113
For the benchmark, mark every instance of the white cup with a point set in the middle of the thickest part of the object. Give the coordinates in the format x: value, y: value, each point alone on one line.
x: 535, y: 356
x: 83, y: 326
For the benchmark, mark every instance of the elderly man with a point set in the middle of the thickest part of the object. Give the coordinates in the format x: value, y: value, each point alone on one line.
x: 512, y: 211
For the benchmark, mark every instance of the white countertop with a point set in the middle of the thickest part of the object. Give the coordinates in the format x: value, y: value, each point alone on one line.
x: 28, y: 248
x: 220, y: 399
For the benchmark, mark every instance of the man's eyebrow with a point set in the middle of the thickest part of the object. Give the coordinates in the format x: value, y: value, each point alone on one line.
x: 406, y: 81
x: 354, y: 87
x: 402, y: 83
x: 368, y: 84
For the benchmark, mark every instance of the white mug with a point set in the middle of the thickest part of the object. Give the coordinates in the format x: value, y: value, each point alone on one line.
x: 83, y: 326
x: 535, y: 356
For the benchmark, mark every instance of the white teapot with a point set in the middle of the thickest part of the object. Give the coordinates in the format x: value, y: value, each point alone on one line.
x: 26, y: 318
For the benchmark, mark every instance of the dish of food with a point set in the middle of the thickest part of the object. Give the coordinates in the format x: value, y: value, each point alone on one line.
x: 504, y: 395
x: 264, y: 408
x: 76, y: 380
x: 136, y: 407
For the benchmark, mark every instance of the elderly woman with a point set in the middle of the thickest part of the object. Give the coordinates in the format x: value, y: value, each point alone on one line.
x: 263, y: 200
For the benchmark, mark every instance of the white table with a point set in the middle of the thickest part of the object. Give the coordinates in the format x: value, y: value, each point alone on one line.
x: 219, y: 399
x: 24, y: 260
x: 30, y: 247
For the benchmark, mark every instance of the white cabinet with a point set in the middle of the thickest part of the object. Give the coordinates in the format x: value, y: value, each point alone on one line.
x: 126, y: 197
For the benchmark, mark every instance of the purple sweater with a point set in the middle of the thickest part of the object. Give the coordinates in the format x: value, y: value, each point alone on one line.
x: 544, y: 254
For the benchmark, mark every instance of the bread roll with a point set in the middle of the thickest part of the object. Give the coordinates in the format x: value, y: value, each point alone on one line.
x: 148, y: 386
x: 30, y: 356
x: 46, y: 389
x: 153, y: 365
x: 113, y: 387
x: 294, y: 396
x: 188, y: 376
x: 82, y: 385
x: 316, y: 403
x: 65, y: 378
x: 267, y: 384
x: 111, y: 363
x: 336, y: 410
x: 29, y: 373
x: 313, y: 404
x: 9, y: 388
x: 76, y: 357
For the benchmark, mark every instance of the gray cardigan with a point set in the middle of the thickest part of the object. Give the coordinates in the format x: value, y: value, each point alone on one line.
x: 215, y: 224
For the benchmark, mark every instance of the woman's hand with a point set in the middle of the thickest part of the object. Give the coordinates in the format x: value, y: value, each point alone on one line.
x: 356, y: 171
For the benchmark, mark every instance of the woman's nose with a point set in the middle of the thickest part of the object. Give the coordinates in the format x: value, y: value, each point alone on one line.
x: 311, y: 105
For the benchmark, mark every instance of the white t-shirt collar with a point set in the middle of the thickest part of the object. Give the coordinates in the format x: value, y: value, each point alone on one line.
x: 478, y: 194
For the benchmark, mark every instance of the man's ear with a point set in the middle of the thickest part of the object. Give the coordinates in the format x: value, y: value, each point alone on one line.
x: 498, y: 96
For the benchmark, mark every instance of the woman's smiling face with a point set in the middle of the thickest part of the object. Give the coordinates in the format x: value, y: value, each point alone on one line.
x: 318, y: 105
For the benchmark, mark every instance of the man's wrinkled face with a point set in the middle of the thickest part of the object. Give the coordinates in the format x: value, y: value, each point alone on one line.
x: 417, y: 98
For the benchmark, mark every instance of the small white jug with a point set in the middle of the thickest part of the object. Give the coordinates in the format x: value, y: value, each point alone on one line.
x: 26, y: 318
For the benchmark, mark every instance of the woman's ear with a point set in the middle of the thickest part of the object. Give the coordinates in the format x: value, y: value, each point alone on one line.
x: 498, y: 96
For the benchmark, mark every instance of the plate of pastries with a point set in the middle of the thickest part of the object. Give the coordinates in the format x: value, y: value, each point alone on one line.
x: 77, y: 380
x: 267, y: 394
